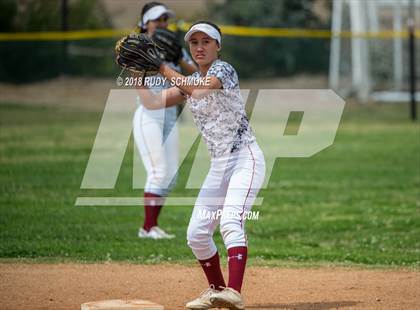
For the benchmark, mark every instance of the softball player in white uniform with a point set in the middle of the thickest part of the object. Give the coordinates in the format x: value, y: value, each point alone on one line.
x: 151, y: 129
x: 237, y: 164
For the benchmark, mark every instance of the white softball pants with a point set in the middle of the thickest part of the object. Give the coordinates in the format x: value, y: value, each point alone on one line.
x: 231, y: 186
x: 156, y: 137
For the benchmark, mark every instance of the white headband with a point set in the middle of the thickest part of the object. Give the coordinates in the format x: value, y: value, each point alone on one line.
x: 207, y: 29
x: 154, y: 13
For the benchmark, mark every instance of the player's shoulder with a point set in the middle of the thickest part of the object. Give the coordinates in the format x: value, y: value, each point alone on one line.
x: 225, y: 73
x: 221, y: 65
x: 196, y: 74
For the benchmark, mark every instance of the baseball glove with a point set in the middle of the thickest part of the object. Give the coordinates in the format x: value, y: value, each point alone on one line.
x: 138, y: 53
x: 168, y: 41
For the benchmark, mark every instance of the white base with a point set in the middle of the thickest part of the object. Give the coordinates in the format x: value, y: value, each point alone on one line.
x: 118, y: 304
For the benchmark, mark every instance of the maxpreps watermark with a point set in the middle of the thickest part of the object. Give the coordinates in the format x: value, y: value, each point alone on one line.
x: 226, y: 215
x: 277, y: 136
x: 159, y: 81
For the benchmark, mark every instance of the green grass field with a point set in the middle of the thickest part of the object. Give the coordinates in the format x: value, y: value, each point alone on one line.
x: 356, y: 202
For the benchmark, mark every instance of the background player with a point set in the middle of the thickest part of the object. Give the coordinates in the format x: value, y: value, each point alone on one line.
x: 237, y: 164
x: 158, y: 149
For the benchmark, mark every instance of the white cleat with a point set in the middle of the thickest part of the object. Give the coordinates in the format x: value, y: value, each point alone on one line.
x: 154, y: 233
x: 203, y: 301
x: 159, y: 233
x: 228, y: 298
x: 143, y: 233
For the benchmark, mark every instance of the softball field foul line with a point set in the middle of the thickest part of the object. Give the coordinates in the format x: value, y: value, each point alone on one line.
x: 226, y: 30
x: 139, y: 201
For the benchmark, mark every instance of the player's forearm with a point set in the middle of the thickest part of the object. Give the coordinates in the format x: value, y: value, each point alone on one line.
x: 188, y: 67
x: 151, y: 100
x: 164, y: 99
x: 172, y: 75
x: 195, y: 89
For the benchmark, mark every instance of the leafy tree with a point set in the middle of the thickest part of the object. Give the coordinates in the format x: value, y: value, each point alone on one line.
x: 25, y: 61
x: 268, y: 56
x: 8, y: 10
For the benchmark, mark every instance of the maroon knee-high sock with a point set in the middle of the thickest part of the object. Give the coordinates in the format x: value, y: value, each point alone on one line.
x: 211, y: 267
x: 237, y: 257
x: 152, y: 206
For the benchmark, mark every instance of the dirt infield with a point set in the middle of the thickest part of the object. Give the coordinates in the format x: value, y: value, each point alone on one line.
x: 66, y: 286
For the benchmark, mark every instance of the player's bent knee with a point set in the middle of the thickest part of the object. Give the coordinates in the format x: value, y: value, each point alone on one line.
x: 201, y: 244
x: 233, y: 234
x: 197, y: 238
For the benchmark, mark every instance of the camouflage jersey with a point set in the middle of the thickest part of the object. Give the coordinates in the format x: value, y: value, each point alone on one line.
x: 220, y: 116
